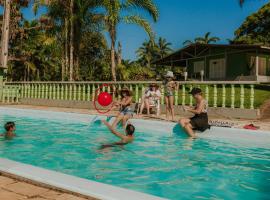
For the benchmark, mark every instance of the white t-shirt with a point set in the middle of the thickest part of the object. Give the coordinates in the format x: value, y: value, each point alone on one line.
x: 153, y: 93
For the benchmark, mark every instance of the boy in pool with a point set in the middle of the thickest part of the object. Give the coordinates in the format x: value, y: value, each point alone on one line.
x: 10, y: 128
x: 125, y: 139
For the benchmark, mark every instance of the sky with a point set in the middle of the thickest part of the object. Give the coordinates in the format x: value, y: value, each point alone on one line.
x: 181, y: 20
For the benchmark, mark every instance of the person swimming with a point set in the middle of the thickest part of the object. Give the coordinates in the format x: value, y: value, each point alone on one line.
x: 125, y: 138
x: 10, y: 127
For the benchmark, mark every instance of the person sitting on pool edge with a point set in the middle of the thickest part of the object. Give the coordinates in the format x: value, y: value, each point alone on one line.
x: 10, y: 128
x: 200, y: 120
x: 125, y: 110
x: 125, y: 138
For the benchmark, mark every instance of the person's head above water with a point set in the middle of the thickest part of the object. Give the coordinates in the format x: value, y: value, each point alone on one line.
x: 130, y: 129
x: 9, y: 126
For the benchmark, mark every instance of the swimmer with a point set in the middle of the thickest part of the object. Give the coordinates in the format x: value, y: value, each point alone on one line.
x: 10, y: 128
x: 125, y: 138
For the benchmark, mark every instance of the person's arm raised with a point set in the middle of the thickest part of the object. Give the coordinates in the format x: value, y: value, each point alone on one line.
x: 116, y: 133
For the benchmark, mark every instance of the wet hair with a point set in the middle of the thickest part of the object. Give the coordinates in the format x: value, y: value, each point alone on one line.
x: 9, y: 125
x: 130, y: 129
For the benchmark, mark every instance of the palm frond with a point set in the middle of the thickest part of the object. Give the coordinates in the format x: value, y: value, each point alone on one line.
x: 147, y: 5
x: 138, y: 20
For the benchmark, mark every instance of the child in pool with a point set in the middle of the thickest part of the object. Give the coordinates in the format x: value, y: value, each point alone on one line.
x: 125, y: 138
x: 10, y: 128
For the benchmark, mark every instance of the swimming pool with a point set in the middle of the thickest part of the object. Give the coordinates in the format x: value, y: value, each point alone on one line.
x: 222, y: 164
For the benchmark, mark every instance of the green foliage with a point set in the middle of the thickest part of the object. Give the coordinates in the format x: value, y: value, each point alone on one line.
x: 255, y: 29
x: 151, y: 51
x: 34, y: 55
x: 134, y: 71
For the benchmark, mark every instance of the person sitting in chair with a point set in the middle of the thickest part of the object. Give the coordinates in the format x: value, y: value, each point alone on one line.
x: 151, y: 98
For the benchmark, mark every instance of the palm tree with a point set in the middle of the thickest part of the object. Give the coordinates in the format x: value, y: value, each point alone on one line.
x: 5, y: 34
x: 147, y: 52
x: 118, y: 11
x: 206, y: 39
x: 163, y: 47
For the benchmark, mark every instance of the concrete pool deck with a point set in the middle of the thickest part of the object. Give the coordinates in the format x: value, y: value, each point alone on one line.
x: 14, y: 189
x: 235, y: 123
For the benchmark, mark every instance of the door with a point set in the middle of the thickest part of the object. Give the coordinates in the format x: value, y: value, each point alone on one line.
x: 217, y: 69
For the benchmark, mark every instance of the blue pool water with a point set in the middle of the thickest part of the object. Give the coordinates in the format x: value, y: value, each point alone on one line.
x: 162, y: 164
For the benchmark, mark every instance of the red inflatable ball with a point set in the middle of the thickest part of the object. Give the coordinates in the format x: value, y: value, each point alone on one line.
x: 104, y: 99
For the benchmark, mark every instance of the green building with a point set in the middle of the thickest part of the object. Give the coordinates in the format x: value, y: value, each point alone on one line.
x: 222, y: 62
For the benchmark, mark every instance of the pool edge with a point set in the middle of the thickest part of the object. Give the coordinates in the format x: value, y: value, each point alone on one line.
x: 67, y: 183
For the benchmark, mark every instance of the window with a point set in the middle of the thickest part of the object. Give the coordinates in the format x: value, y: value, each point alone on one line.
x: 262, y: 66
x: 217, y: 69
x: 198, y: 66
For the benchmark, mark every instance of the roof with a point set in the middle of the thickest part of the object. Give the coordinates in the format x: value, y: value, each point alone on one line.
x: 179, y: 57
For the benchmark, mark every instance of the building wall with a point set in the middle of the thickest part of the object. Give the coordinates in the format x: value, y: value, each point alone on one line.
x: 237, y: 64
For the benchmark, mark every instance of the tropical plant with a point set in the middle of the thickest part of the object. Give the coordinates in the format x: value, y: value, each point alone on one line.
x: 206, y: 39
x: 255, y: 29
x: 147, y: 53
x: 163, y: 47
x: 118, y: 11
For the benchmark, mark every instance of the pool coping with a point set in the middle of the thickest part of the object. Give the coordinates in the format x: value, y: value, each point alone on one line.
x: 68, y: 183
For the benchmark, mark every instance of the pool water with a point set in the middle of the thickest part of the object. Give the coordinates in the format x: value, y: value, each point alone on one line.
x: 161, y: 164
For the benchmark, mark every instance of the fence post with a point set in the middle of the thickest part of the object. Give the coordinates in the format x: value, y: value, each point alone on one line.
x: 223, y: 96
x: 251, y: 96
x: 232, y: 96
x: 190, y: 97
x: 183, y: 95
x: 88, y: 92
x: 215, y: 96
x: 242, y: 96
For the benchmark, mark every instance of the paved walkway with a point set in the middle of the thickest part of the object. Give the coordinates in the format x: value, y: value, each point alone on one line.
x: 11, y: 189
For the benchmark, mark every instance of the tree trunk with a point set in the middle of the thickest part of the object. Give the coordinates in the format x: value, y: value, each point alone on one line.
x: 5, y: 35
x: 119, y: 54
x: 66, y: 48
x: 63, y: 66
x: 113, y: 67
x: 71, y: 43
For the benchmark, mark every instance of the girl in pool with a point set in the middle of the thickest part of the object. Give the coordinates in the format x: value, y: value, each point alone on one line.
x: 125, y: 112
x: 169, y: 88
x: 200, y: 120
